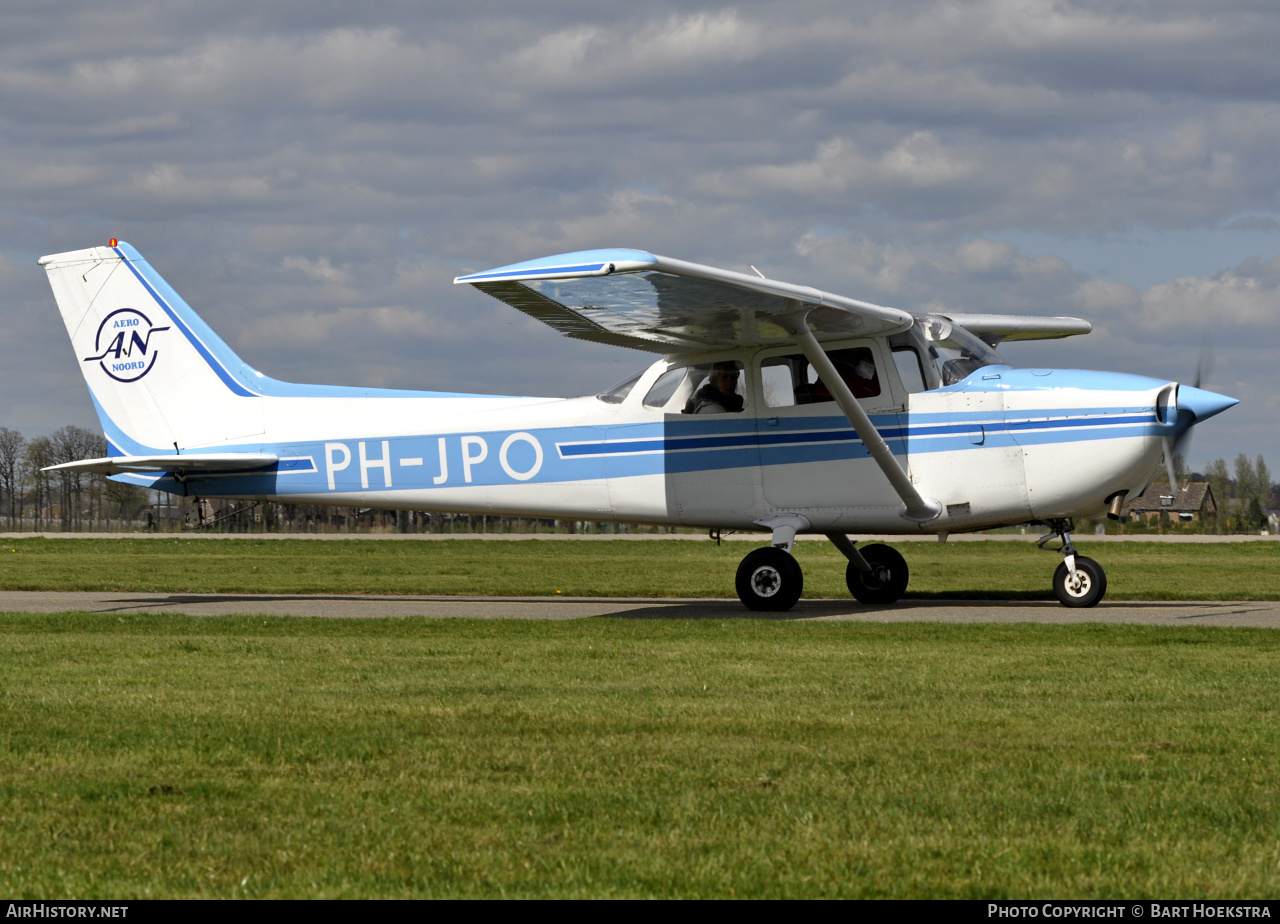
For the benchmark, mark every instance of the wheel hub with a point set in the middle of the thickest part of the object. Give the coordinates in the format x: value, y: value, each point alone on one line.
x: 766, y: 580
x: 1078, y: 583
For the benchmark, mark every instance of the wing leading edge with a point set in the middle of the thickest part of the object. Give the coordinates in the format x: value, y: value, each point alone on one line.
x: 637, y: 299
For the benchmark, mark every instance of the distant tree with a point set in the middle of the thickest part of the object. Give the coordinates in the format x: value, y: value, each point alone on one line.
x: 38, y: 454
x: 1253, y: 517
x: 1262, y: 474
x: 1180, y: 468
x: 12, y: 445
x: 1220, y: 483
x: 1219, y: 479
x: 1245, y: 478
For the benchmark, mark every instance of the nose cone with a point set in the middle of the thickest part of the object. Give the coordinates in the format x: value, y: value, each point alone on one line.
x: 1202, y: 404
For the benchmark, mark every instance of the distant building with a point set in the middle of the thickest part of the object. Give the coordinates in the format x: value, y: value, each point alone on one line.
x: 1191, y: 503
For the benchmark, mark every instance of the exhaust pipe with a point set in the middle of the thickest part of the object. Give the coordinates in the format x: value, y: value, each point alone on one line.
x: 1115, y: 505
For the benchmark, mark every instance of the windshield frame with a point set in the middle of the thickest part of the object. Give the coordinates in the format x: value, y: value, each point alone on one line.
x: 950, y: 352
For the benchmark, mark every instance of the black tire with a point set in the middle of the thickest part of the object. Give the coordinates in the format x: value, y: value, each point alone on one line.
x: 769, y: 581
x: 887, y: 581
x: 1093, y: 583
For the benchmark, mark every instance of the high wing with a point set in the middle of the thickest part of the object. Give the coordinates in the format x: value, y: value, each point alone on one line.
x: 636, y: 299
x: 996, y: 328
x: 640, y: 300
x: 208, y: 464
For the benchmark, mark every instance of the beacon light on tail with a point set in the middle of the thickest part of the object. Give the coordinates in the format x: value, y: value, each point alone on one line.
x: 772, y: 406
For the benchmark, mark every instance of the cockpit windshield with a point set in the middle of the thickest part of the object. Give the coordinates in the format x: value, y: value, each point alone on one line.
x: 951, y: 350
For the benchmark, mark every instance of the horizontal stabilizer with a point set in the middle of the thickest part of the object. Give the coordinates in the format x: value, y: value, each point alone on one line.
x: 994, y: 328
x: 198, y: 464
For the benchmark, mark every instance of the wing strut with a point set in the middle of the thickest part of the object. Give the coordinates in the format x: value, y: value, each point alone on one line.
x: 920, y: 509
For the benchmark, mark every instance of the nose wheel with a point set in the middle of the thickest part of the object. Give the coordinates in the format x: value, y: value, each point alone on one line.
x: 1083, y: 587
x: 1079, y: 581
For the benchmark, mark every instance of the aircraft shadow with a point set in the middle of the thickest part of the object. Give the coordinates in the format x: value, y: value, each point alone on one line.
x: 817, y: 609
x: 700, y: 609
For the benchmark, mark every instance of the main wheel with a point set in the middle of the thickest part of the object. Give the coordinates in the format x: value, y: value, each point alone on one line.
x: 769, y: 581
x: 1088, y: 587
x: 887, y: 580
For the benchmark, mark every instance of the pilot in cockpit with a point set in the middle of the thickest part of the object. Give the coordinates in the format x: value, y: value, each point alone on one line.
x: 719, y: 394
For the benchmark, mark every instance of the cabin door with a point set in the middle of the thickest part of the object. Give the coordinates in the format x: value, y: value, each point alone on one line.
x: 810, y: 455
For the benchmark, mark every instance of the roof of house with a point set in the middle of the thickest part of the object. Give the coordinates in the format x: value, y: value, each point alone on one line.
x: 1190, y: 498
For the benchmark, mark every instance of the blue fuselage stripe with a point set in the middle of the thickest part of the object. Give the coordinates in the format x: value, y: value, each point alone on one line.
x: 845, y: 434
x: 217, y: 367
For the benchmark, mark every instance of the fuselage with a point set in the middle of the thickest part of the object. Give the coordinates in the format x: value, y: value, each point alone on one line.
x: 1002, y: 446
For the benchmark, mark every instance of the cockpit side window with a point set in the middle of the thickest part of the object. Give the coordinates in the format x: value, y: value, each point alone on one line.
x: 910, y: 369
x: 618, y: 393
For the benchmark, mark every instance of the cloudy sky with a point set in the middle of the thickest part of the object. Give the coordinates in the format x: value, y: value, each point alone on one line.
x: 312, y: 175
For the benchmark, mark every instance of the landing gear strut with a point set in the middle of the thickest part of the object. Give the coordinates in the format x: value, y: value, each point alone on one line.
x: 876, y: 574
x: 885, y: 583
x: 1079, y: 581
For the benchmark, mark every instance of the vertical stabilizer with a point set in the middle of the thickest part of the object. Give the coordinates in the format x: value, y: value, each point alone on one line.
x: 157, y: 373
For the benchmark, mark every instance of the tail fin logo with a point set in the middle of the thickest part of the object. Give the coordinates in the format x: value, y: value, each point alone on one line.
x: 127, y: 355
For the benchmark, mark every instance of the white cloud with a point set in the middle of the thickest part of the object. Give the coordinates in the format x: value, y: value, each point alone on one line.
x: 317, y: 270
x: 584, y: 54
x: 1248, y: 297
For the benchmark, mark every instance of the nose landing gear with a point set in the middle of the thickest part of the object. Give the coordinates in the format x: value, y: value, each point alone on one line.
x: 1079, y: 581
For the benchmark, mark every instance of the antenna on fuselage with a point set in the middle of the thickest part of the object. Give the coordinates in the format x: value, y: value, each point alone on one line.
x: 757, y: 272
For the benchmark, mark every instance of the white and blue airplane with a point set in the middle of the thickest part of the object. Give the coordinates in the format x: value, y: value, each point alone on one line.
x: 774, y: 407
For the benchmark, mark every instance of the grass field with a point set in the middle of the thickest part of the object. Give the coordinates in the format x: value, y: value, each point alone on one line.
x: 176, y: 756
x: 1135, y: 571
x: 256, y: 757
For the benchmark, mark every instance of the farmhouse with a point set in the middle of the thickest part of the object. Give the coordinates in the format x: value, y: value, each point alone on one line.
x: 1192, y: 502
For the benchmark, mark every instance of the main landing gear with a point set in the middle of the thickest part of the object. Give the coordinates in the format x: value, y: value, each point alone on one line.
x: 770, y: 580
x: 1079, y: 581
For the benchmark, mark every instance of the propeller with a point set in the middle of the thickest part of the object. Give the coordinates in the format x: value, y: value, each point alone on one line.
x: 1181, y: 441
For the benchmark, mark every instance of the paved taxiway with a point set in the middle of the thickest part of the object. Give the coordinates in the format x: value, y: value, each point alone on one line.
x: 1217, y: 613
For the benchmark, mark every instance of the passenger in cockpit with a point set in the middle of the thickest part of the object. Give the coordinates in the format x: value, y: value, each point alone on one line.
x: 719, y: 395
